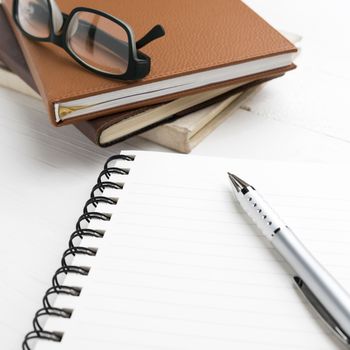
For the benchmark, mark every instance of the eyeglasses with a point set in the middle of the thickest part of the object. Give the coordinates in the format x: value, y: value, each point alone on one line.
x: 95, y: 39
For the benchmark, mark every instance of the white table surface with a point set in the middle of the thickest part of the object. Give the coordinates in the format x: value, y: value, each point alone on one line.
x: 47, y: 173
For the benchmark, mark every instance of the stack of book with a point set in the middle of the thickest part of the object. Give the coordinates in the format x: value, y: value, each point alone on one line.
x: 207, y: 64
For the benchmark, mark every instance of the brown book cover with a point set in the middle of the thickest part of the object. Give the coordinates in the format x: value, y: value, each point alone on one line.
x: 201, y: 36
x: 11, y: 55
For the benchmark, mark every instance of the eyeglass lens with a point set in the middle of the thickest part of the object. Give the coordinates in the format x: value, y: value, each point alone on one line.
x: 34, y: 17
x: 98, y: 42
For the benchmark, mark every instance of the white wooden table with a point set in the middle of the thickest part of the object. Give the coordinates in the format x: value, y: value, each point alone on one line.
x: 46, y: 173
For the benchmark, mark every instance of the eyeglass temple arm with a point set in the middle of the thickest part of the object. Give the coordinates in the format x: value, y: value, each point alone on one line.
x: 156, y: 32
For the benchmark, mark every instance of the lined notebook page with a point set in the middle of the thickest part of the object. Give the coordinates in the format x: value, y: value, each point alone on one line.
x: 182, y: 267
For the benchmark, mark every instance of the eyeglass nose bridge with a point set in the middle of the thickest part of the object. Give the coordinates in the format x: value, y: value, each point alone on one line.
x: 57, y: 17
x: 58, y: 38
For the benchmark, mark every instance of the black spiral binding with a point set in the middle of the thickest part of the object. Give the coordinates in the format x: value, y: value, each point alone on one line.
x: 103, y: 182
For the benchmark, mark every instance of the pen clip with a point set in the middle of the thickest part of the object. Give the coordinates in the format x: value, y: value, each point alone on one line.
x: 321, y: 310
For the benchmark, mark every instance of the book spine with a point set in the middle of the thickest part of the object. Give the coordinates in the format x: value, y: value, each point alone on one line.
x: 82, y: 230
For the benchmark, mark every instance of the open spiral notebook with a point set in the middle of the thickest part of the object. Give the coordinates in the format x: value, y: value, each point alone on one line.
x: 167, y: 259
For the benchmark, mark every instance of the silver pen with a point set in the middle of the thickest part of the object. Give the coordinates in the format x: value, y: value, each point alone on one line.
x: 326, y: 295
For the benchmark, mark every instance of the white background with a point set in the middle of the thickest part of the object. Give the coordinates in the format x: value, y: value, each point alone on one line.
x: 46, y: 173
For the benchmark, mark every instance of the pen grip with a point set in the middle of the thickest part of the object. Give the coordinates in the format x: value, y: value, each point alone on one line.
x: 261, y: 213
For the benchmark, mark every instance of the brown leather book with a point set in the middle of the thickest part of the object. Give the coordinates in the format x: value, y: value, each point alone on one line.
x: 94, y: 129
x: 207, y: 45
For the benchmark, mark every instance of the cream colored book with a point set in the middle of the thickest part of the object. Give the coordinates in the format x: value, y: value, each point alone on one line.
x: 187, y: 132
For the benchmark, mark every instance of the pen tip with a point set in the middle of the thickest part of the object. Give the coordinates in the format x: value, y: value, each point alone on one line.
x: 238, y: 183
x: 232, y: 179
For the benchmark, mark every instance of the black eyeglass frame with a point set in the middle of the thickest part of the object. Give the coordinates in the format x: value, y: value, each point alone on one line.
x: 139, y: 64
